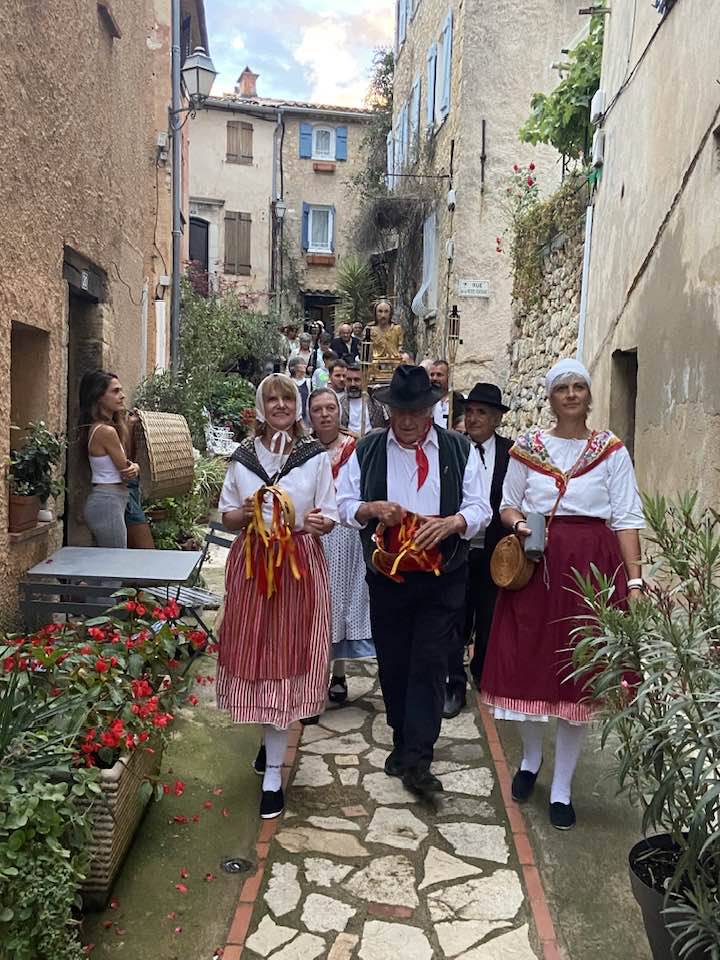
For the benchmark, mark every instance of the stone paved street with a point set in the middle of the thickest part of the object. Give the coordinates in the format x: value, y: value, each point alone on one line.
x: 360, y: 867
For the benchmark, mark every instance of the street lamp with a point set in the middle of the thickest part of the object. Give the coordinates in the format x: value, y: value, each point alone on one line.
x: 198, y: 75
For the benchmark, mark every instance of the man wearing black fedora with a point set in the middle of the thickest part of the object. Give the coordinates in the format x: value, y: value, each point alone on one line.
x: 484, y: 411
x: 418, y: 494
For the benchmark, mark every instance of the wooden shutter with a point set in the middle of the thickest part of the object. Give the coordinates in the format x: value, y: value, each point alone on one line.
x: 431, y: 76
x: 244, y: 231
x: 306, y: 137
x: 231, y: 238
x: 246, y: 142
x: 341, y: 139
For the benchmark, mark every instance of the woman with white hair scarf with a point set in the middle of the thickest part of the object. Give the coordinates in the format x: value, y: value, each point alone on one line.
x: 584, y: 480
x: 275, y: 635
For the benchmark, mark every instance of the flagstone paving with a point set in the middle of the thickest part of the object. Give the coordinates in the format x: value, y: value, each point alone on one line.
x: 361, y: 869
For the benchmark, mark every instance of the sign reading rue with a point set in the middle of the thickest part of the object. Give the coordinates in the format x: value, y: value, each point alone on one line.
x: 473, y: 288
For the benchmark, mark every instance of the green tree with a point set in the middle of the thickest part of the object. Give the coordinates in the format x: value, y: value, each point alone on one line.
x: 562, y: 118
x: 356, y: 287
x: 371, y: 179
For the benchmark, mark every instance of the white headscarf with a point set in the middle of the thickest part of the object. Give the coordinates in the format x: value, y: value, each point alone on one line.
x: 281, y: 438
x: 562, y: 368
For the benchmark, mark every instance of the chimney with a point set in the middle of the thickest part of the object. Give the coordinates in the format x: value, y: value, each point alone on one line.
x: 247, y: 84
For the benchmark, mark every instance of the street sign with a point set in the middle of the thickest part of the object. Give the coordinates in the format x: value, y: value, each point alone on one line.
x: 473, y: 288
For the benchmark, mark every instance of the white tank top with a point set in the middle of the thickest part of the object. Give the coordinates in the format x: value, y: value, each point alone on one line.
x: 102, y: 469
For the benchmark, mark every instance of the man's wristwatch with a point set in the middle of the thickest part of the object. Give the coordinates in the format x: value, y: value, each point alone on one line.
x: 517, y: 524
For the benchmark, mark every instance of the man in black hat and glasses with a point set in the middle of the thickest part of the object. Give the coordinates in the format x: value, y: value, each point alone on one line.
x: 418, y: 494
x: 484, y: 411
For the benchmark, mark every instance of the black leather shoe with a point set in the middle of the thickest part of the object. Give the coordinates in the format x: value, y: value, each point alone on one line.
x: 421, y: 782
x: 562, y: 816
x: 523, y: 784
x: 394, y: 767
x: 272, y: 804
x: 260, y: 761
x: 338, y: 692
x: 454, y: 702
x: 310, y: 721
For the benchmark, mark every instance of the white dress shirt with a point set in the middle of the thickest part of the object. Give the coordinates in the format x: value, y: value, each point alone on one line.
x: 402, y: 486
x: 308, y: 486
x: 608, y: 491
x: 440, y: 412
x: 478, y: 542
x: 355, y: 414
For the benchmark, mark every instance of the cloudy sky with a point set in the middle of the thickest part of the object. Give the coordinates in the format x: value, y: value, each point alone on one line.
x: 302, y: 49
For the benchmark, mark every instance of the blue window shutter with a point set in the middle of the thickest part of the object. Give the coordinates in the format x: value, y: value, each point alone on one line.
x: 331, y: 228
x: 431, y: 65
x: 341, y: 143
x: 305, y: 141
x: 306, y: 226
x: 446, y: 78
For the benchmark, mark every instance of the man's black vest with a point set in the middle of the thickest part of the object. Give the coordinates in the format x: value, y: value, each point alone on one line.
x: 453, y: 453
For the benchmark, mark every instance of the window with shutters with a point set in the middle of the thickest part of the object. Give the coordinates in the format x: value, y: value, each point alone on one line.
x: 414, y: 123
x: 237, y: 243
x: 320, y: 230
x: 443, y: 70
x: 239, y: 142
x: 424, y: 305
x: 323, y: 144
x: 431, y: 85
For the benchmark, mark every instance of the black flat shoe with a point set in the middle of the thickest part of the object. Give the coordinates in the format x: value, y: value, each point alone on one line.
x: 562, y: 816
x: 260, y: 761
x: 523, y: 784
x: 394, y: 767
x: 421, y: 782
x: 454, y: 702
x: 272, y: 804
x: 338, y: 692
x: 309, y: 721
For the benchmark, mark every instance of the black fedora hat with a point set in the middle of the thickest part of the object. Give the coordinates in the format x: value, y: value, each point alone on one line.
x: 488, y: 394
x: 410, y: 389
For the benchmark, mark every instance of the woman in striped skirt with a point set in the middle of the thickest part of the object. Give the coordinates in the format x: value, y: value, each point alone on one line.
x: 275, y: 634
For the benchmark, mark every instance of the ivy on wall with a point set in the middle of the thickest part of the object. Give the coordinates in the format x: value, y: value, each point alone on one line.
x: 562, y: 118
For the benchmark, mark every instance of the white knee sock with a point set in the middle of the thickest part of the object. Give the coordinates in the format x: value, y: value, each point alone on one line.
x: 568, y: 744
x: 531, y: 732
x: 276, y: 740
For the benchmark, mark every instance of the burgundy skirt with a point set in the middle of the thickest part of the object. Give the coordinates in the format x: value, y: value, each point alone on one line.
x: 273, y: 659
x: 529, y: 659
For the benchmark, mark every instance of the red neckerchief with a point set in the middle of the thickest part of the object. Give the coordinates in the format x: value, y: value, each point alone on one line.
x: 421, y: 460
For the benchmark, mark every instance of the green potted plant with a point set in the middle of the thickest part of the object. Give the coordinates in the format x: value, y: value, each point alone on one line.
x: 656, y: 670
x: 31, y: 475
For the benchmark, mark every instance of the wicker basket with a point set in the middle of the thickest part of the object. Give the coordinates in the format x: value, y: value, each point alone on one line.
x: 509, y: 566
x: 116, y: 815
x: 165, y: 454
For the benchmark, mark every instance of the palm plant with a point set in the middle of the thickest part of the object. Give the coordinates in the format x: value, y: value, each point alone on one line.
x: 356, y: 287
x: 656, y: 670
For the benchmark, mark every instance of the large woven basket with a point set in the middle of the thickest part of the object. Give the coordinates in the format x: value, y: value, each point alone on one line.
x: 165, y: 454
x: 509, y: 565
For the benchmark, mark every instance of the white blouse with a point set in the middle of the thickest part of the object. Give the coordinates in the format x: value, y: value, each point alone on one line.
x: 308, y: 486
x: 608, y: 491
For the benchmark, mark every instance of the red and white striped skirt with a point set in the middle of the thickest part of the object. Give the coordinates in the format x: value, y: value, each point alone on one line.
x: 273, y: 661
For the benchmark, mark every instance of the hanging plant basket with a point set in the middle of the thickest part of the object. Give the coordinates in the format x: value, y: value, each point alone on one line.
x: 116, y: 815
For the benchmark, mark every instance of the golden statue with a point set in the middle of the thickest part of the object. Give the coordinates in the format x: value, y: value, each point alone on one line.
x: 385, y: 338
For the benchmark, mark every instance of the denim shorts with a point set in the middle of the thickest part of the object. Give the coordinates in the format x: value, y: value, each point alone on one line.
x: 134, y: 512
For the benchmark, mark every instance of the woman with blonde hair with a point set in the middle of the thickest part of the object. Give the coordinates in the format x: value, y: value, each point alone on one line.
x: 583, y: 482
x: 275, y: 635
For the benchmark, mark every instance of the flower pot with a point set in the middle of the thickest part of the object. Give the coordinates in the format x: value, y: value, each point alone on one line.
x: 45, y: 515
x: 116, y: 815
x: 22, y: 513
x: 651, y: 902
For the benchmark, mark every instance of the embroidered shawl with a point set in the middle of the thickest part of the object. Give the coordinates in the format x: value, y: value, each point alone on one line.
x: 530, y: 449
x: 304, y: 449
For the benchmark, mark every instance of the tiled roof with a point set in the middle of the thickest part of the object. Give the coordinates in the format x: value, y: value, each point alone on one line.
x: 298, y: 104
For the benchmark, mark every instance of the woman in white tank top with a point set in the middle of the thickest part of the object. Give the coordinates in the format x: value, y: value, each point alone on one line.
x: 103, y: 429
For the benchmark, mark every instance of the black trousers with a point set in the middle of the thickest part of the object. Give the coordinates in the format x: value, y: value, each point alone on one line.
x: 413, y: 625
x: 479, y: 608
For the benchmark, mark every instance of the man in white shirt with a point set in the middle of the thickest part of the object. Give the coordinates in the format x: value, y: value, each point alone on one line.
x: 434, y: 479
x: 337, y: 369
x: 484, y: 411
x: 440, y: 377
x: 351, y: 405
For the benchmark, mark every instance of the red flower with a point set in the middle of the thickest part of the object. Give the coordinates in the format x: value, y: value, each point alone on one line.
x: 181, y: 888
x: 531, y: 166
x: 208, y: 804
x: 192, y: 699
x: 516, y: 168
x: 85, y: 649
x: 131, y: 606
x: 140, y: 610
x: 179, y: 818
x: 179, y: 788
x: 101, y: 665
x: 530, y: 181
x: 8, y: 664
x: 184, y: 873
x: 97, y: 633
x: 114, y: 661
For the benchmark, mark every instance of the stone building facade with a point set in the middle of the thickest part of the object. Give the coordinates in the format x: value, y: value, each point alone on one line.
x: 85, y: 194
x: 653, y: 292
x: 463, y: 82
x: 292, y: 189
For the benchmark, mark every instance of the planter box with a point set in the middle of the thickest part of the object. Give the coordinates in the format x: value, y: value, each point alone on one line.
x: 116, y: 815
x: 22, y: 512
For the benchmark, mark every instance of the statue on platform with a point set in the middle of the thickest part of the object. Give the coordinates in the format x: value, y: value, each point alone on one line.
x: 385, y: 338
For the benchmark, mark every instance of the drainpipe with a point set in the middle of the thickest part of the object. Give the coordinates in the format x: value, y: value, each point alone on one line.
x: 175, y: 129
x: 584, y: 283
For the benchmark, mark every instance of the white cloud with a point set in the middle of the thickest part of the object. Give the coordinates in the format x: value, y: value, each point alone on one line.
x: 238, y: 42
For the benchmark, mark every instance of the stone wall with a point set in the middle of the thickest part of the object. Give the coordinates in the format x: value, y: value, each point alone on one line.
x: 543, y: 332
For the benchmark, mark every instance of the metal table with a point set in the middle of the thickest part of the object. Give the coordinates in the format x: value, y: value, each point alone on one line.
x: 79, y: 580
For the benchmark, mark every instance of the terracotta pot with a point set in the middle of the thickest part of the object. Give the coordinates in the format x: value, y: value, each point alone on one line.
x: 116, y: 815
x: 23, y: 513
